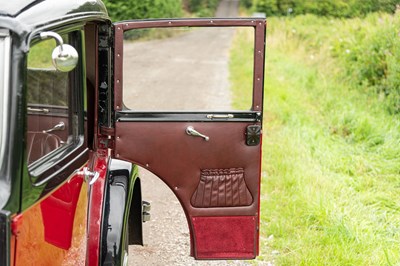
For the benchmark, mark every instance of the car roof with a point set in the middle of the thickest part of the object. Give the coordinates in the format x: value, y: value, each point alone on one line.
x: 38, y: 12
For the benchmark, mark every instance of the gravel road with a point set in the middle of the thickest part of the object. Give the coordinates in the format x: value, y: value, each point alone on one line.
x: 166, y: 236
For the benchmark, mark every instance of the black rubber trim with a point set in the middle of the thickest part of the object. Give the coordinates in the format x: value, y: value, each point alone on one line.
x: 5, y: 234
x: 132, y: 116
x: 136, y: 216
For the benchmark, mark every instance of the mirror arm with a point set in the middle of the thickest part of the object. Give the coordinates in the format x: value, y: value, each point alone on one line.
x: 57, y: 37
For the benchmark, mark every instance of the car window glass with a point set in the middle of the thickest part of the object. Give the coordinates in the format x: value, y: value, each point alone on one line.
x: 186, y: 68
x: 48, y: 104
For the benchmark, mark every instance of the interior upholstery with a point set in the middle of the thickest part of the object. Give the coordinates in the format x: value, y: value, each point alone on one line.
x: 231, y: 237
x: 221, y: 188
x: 39, y: 122
x: 178, y: 159
x: 39, y: 144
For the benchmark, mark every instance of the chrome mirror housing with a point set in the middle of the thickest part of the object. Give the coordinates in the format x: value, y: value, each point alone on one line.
x: 64, y: 56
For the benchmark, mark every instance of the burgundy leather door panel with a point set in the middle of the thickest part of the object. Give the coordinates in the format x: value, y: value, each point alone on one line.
x: 165, y: 149
x: 216, y: 208
x: 217, y: 181
x: 38, y: 123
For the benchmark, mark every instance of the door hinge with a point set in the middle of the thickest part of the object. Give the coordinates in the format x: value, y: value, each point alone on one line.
x: 105, y: 143
x: 106, y: 140
x: 108, y: 131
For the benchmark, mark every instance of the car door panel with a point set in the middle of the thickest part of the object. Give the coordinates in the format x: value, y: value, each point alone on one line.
x: 214, y: 174
x: 225, y: 237
x: 40, y: 123
x: 50, y: 227
x: 178, y: 158
x: 53, y: 231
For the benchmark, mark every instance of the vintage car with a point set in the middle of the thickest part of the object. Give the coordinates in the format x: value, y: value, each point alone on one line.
x: 70, y: 192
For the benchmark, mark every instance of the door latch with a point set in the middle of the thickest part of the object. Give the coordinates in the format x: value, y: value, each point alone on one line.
x: 87, y: 174
x: 253, y: 135
x: 220, y: 116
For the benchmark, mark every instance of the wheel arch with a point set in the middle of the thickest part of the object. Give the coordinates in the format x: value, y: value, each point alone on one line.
x: 121, y: 181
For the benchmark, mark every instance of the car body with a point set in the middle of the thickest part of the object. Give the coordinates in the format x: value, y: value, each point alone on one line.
x: 70, y: 191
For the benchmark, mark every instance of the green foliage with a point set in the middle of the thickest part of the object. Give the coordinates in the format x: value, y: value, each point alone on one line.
x: 370, y: 52
x: 241, y: 85
x: 246, y: 3
x: 203, y: 8
x: 45, y: 84
x: 367, y: 51
x: 336, y: 8
x: 269, y: 7
x: 141, y: 9
x: 40, y: 54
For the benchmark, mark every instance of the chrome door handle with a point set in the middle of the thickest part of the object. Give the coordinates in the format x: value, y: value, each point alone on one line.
x: 192, y: 132
x: 39, y: 110
x: 59, y: 127
x: 87, y: 173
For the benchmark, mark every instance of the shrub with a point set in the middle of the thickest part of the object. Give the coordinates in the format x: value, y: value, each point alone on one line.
x: 140, y: 9
x: 370, y: 52
x: 203, y: 8
x: 365, y: 51
x: 333, y: 8
x: 246, y: 3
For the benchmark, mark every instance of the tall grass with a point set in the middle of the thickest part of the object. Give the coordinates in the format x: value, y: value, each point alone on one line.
x: 331, y: 154
x: 367, y: 51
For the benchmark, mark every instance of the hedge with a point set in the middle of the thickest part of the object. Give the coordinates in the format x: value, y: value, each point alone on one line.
x: 333, y: 8
x: 141, y: 9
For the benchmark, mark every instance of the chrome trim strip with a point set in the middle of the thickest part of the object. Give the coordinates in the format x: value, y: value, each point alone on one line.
x: 5, y: 61
x: 5, y: 43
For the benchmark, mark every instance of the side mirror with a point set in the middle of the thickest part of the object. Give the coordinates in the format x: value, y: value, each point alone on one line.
x: 64, y: 56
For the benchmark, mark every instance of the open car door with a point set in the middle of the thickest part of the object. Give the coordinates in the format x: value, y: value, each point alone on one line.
x: 210, y: 158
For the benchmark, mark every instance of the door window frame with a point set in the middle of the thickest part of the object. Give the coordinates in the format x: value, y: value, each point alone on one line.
x: 171, y: 153
x: 54, y: 168
x: 255, y: 112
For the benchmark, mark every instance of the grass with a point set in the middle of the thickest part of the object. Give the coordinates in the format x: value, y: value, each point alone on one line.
x: 331, y: 157
x: 40, y: 54
x: 242, y: 69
